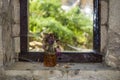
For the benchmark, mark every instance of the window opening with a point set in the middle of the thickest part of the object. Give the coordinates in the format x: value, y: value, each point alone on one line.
x: 72, y: 51
x: 71, y: 21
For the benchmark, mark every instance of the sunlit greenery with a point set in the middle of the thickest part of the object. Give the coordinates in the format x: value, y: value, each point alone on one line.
x: 72, y: 27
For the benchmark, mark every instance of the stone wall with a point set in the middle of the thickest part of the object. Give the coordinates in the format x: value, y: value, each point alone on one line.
x: 16, y: 28
x: 113, y: 49
x: 62, y: 75
x: 110, y: 32
x: 1, y: 50
x: 6, y: 25
x: 104, y: 24
x: 10, y: 40
x: 10, y: 31
x: 10, y: 45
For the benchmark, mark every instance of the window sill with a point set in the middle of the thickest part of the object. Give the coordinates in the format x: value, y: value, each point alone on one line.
x: 59, y: 66
x: 76, y: 71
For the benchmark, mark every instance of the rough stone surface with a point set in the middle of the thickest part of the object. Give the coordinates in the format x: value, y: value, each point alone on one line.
x: 10, y: 44
x: 1, y: 59
x: 104, y: 12
x: 104, y: 25
x: 6, y: 24
x: 76, y: 71
x: 0, y: 38
x: 15, y: 78
x: 104, y: 39
x: 16, y: 30
x: 113, y: 50
x: 9, y: 30
x: 16, y: 13
x: 1, y: 51
x: 63, y: 75
x: 114, y: 18
x: 17, y: 44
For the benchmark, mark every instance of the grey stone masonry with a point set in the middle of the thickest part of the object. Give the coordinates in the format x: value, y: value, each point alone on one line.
x: 113, y: 50
x: 76, y: 71
x: 1, y: 51
x: 10, y: 46
x: 9, y: 29
x: 104, y: 4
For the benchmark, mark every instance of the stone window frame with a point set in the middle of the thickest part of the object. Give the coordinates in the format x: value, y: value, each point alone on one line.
x: 94, y: 56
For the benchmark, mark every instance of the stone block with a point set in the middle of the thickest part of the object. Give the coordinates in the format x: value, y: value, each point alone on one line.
x: 114, y: 40
x: 104, y: 39
x: 112, y: 58
x: 104, y: 12
x: 113, y: 64
x: 17, y: 44
x: 49, y: 75
x: 16, y: 30
x: 17, y: 78
x: 1, y: 59
x: 16, y: 15
x: 1, y: 4
x: 71, y: 75
x: 94, y: 75
x: 1, y: 39
x: 38, y: 74
x: 114, y: 18
x: 16, y: 3
x: 18, y: 73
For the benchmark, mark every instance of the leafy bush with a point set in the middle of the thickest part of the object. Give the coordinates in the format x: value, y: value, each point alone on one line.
x: 72, y: 27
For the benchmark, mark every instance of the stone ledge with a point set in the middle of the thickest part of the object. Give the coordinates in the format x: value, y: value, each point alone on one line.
x: 77, y: 71
x: 60, y: 66
x: 64, y: 75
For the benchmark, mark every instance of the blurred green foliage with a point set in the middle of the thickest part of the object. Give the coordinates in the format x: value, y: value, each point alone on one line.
x: 72, y: 27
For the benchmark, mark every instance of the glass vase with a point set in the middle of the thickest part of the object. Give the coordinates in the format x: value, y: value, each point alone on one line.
x: 49, y: 60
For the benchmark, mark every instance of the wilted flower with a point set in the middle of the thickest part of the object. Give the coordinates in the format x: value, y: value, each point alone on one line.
x: 49, y: 44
